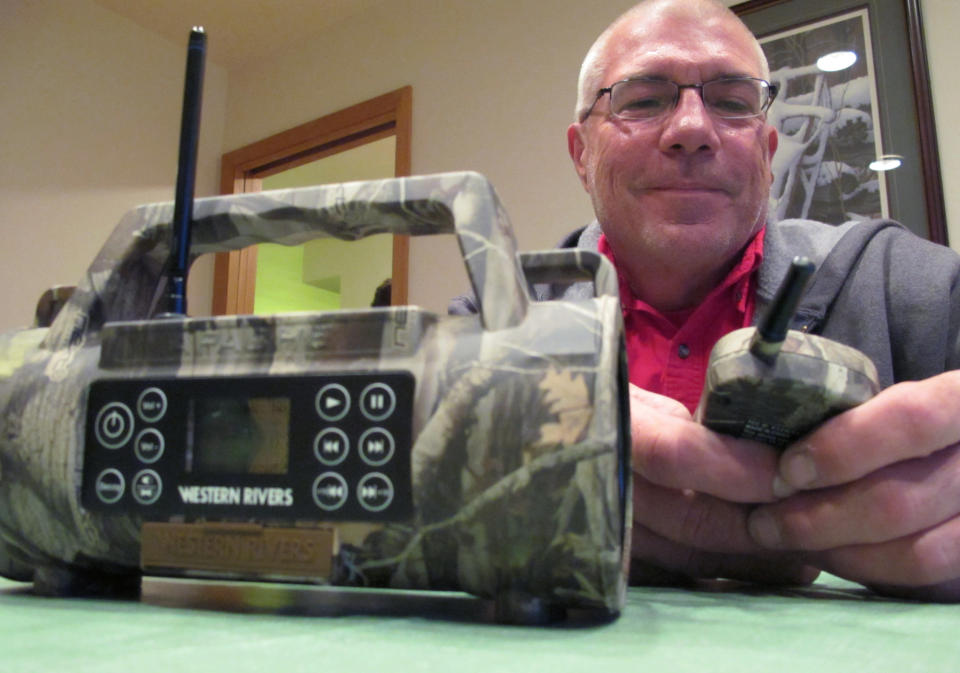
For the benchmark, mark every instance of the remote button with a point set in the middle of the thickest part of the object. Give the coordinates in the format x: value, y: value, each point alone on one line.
x: 152, y: 405
x: 330, y: 491
x: 377, y: 401
x: 333, y: 402
x: 149, y: 445
x: 114, y: 425
x: 110, y: 486
x: 331, y: 446
x: 375, y: 492
x: 376, y: 446
x: 146, y: 487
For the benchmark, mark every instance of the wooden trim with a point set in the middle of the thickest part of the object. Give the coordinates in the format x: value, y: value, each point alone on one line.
x: 328, y: 129
x: 754, y: 6
x: 224, y: 284
x: 241, y: 170
x: 232, y: 294
x: 929, y: 147
x: 325, y: 150
x: 400, y: 283
x: 247, y: 279
x: 403, y: 118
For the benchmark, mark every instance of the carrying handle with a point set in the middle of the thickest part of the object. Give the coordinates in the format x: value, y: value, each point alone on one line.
x: 571, y: 265
x: 126, y: 280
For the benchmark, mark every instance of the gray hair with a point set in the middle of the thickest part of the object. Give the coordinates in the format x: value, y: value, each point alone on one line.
x: 597, y: 60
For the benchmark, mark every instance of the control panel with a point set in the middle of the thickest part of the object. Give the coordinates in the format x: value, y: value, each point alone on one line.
x: 330, y: 447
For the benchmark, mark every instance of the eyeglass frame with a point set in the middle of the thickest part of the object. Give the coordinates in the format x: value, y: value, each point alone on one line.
x: 772, y: 91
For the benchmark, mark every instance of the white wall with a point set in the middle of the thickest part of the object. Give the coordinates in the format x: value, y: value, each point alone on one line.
x: 90, y: 116
x: 90, y: 119
x: 941, y: 18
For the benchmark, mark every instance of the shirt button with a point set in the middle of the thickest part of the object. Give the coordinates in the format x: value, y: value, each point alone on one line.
x: 683, y: 351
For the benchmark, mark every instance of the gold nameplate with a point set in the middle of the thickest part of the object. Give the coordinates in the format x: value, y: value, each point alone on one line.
x: 238, y: 548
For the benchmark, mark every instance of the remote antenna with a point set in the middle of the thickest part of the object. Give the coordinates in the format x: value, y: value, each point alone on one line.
x: 772, y: 328
x: 186, y: 172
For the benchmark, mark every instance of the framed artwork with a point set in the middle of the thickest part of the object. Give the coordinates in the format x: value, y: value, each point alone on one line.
x: 857, y: 136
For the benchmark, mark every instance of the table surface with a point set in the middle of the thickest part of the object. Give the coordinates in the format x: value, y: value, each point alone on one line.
x: 179, y: 626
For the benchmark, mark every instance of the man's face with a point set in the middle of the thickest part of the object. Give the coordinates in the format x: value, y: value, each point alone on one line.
x: 689, y: 186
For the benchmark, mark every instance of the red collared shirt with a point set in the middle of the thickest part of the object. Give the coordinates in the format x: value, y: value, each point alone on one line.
x: 667, y: 353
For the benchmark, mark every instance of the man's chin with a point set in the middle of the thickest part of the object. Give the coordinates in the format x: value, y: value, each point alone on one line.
x: 699, y: 209
x: 693, y: 238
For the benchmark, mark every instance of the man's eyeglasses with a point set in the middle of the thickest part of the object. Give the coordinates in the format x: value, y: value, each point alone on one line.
x: 643, y: 98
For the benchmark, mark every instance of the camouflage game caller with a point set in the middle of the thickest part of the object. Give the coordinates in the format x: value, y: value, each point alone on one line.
x: 775, y: 385
x: 510, y: 468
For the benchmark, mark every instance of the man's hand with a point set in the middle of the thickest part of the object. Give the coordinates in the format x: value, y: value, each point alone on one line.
x: 692, y: 489
x: 875, y: 493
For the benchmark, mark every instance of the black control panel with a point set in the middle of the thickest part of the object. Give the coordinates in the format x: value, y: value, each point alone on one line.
x: 330, y: 447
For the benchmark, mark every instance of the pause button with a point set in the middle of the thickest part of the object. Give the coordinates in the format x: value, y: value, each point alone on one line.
x: 377, y: 401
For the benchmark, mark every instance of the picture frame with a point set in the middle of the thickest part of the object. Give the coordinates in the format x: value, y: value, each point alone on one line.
x: 901, y: 106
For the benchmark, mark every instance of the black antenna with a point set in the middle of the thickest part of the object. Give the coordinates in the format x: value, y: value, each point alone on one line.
x: 772, y: 328
x: 186, y: 172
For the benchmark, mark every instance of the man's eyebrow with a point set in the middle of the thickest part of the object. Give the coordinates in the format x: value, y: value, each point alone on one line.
x: 734, y: 75
x: 726, y: 74
x: 643, y: 75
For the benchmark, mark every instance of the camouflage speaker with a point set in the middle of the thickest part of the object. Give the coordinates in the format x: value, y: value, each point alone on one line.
x: 387, y: 447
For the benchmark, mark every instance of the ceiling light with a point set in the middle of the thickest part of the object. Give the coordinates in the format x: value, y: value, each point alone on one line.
x: 886, y: 163
x: 837, y: 60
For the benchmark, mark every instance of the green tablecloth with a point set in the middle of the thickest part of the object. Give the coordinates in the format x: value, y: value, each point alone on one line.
x: 182, y: 626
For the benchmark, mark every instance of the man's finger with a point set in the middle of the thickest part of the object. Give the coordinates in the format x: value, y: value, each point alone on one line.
x: 679, y: 453
x: 657, y: 560
x: 924, y: 564
x: 693, y: 519
x: 907, y: 420
x: 661, y: 403
x: 890, y: 503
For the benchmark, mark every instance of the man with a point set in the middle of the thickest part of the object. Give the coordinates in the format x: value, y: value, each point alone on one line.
x: 679, y: 175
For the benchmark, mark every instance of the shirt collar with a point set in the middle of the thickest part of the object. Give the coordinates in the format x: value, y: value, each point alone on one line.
x: 749, y: 262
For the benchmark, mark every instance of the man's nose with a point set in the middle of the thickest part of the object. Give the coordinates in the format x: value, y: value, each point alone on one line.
x: 689, y: 127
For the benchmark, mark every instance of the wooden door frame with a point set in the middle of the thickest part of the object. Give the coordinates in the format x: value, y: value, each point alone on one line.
x: 242, y: 170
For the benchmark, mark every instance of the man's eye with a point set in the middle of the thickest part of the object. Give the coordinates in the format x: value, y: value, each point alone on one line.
x: 642, y: 105
x: 732, y: 105
x: 736, y: 98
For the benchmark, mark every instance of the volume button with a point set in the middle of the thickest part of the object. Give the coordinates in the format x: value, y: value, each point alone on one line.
x: 152, y: 404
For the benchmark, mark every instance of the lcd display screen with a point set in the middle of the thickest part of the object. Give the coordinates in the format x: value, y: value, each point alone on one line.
x: 239, y: 436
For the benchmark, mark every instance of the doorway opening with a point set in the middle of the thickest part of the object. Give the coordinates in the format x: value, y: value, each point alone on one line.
x: 370, y: 140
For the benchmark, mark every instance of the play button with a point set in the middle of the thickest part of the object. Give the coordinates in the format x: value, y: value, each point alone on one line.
x: 333, y: 402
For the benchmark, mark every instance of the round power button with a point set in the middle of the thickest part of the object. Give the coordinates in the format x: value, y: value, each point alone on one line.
x: 114, y: 425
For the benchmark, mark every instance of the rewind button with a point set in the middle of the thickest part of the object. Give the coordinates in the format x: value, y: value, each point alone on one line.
x: 330, y: 491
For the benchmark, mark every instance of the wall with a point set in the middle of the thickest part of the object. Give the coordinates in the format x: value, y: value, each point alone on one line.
x: 90, y: 117
x: 90, y: 113
x: 940, y: 21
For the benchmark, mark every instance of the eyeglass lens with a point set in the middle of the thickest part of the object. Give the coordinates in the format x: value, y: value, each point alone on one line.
x: 649, y: 98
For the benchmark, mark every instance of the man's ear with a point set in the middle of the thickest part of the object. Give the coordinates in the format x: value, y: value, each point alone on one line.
x: 576, y: 146
x: 773, y: 141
